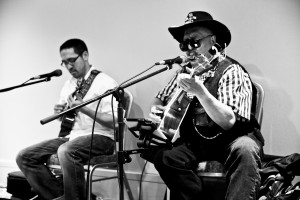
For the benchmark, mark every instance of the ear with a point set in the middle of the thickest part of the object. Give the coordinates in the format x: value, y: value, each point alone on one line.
x: 85, y: 55
x: 213, y: 40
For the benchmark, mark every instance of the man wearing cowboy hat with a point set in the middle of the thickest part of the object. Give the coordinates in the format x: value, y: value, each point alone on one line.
x: 218, y: 123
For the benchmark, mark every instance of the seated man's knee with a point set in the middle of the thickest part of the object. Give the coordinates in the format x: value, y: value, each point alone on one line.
x: 24, y: 156
x: 165, y: 160
x: 62, y: 151
x: 20, y: 157
x: 246, y: 149
x: 67, y: 151
x: 158, y: 160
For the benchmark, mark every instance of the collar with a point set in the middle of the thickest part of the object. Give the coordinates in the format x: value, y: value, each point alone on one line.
x: 86, y: 75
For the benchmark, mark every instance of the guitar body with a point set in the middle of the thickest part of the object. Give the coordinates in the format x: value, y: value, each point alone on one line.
x: 179, y: 104
x: 173, y: 115
x: 67, y: 123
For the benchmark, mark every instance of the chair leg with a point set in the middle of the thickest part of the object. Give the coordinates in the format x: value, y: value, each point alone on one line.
x: 90, y: 182
x: 167, y: 194
x: 127, y: 187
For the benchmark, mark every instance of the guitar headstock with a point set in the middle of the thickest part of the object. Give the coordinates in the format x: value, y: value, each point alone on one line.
x: 201, y: 63
x: 205, y: 64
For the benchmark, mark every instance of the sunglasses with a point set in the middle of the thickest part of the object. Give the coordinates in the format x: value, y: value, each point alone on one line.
x: 69, y: 61
x: 193, y: 44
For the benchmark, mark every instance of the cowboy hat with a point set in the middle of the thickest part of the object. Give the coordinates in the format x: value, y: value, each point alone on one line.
x: 203, y: 19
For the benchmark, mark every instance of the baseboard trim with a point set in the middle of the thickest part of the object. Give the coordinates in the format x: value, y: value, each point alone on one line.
x: 131, y: 175
x: 8, y: 164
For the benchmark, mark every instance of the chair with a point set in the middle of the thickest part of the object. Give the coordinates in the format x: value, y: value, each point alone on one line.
x: 212, y: 173
x: 109, y: 162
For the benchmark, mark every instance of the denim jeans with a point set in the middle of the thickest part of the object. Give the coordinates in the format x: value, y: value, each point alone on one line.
x: 72, y: 157
x: 241, y: 158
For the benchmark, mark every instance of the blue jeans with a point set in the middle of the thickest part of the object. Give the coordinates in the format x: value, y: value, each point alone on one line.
x: 73, y: 155
x: 241, y: 158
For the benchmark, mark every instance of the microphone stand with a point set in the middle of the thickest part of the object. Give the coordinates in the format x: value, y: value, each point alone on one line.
x: 118, y: 92
x: 25, y: 84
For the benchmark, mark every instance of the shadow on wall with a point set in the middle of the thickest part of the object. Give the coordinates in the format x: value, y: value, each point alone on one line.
x: 137, y: 162
x: 278, y: 129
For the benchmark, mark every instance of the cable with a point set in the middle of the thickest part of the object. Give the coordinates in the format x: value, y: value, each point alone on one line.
x: 141, y: 179
x: 91, y: 146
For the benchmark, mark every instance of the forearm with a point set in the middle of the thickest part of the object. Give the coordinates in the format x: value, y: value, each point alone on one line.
x: 101, y: 118
x: 220, y: 113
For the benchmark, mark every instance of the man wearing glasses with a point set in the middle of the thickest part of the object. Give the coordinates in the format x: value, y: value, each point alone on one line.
x: 74, y: 141
x: 218, y: 123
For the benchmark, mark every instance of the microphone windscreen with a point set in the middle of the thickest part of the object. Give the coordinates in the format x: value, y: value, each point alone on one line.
x: 57, y: 72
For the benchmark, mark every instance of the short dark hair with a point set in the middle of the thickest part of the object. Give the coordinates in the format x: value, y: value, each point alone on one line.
x: 78, y: 45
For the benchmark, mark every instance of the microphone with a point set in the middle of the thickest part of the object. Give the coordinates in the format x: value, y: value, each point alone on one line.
x: 57, y: 72
x: 177, y: 60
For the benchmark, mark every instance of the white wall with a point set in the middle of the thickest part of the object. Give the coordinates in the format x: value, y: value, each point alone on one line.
x: 125, y: 38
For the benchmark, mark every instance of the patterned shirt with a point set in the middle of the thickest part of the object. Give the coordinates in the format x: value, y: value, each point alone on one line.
x: 234, y: 90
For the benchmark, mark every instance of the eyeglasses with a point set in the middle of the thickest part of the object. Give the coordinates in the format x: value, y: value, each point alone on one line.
x: 69, y: 61
x: 194, y: 44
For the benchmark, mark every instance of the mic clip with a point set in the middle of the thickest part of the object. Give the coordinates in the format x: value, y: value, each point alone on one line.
x: 43, y: 78
x: 146, y: 137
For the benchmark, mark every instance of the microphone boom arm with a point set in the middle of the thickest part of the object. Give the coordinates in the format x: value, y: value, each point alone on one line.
x: 109, y: 92
x: 26, y: 84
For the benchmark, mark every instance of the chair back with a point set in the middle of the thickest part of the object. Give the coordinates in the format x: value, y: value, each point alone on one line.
x: 127, y: 103
x: 216, y: 169
x: 260, y: 95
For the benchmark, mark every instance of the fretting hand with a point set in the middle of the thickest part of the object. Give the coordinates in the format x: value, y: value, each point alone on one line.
x: 189, y: 84
x: 74, y: 101
x: 58, y: 108
x: 156, y: 113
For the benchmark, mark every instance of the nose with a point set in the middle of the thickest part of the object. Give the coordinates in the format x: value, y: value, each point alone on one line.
x: 190, y: 47
x: 69, y: 66
x: 190, y: 53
